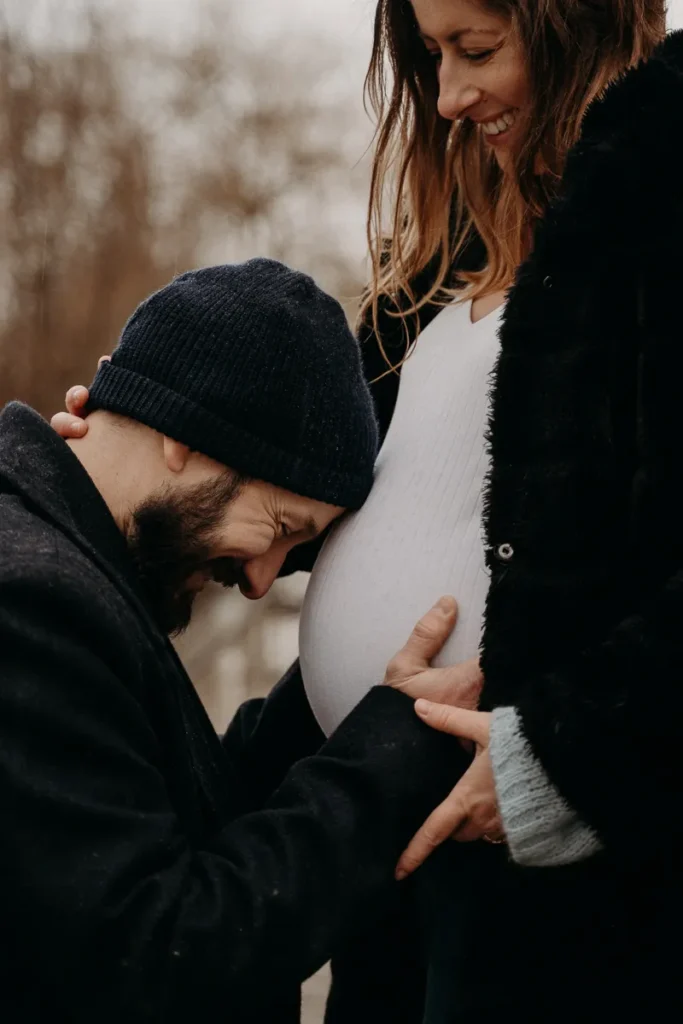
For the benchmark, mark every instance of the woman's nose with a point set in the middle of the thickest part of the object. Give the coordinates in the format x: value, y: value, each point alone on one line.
x: 457, y: 94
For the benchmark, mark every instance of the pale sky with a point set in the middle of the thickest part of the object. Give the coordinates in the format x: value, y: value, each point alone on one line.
x: 348, y: 20
x: 356, y: 15
x: 350, y: 15
x: 347, y: 16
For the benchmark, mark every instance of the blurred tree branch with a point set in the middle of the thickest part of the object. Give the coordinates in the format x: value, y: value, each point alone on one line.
x: 122, y: 163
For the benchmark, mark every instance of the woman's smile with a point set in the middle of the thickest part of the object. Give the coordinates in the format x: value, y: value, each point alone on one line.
x: 498, y: 130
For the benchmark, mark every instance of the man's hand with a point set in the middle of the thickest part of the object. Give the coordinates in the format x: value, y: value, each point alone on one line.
x: 470, y: 811
x: 410, y: 671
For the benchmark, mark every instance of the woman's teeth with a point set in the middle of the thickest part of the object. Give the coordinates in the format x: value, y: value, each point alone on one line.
x: 500, y: 125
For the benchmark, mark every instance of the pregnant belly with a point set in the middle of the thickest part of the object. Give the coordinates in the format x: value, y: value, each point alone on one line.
x: 372, y: 582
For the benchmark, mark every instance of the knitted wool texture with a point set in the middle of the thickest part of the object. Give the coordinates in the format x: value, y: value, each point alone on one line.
x: 252, y: 365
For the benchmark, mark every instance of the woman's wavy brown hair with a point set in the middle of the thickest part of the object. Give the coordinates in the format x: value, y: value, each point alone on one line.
x: 442, y: 181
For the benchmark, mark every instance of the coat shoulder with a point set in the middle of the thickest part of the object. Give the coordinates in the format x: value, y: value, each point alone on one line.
x: 45, y: 579
x: 32, y: 549
x: 632, y: 138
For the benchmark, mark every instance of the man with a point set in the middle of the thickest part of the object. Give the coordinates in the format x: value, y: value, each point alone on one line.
x: 151, y: 873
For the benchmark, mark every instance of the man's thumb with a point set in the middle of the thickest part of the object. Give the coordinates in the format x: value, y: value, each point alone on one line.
x: 431, y: 633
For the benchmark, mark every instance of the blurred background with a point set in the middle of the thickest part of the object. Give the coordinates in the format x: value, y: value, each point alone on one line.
x: 139, y: 138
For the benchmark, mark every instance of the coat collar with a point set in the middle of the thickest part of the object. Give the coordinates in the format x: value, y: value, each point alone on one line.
x: 39, y: 466
x: 649, y: 92
x: 630, y: 149
x: 620, y: 180
x: 638, y: 113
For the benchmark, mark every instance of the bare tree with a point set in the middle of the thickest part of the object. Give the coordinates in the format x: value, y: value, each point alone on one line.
x: 122, y: 163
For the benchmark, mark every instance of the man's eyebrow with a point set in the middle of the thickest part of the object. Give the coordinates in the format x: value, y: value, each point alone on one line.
x: 455, y: 37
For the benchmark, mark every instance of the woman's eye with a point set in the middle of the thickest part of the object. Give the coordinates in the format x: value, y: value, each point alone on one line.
x: 435, y: 55
x: 479, y: 57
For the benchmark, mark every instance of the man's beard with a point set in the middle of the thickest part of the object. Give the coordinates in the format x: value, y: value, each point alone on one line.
x: 170, y: 538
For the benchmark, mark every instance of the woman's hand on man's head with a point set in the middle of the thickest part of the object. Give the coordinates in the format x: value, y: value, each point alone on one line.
x: 71, y: 424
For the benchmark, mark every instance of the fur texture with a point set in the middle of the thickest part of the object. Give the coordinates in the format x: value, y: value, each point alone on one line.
x: 584, y: 624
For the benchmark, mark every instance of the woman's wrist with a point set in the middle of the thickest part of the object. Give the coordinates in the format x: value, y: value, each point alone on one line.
x: 542, y: 830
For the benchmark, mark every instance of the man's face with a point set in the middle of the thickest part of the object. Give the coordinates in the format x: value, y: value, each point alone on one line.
x: 217, y: 529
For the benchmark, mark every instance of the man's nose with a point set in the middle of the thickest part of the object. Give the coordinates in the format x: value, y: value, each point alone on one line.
x: 259, y: 574
x: 456, y: 93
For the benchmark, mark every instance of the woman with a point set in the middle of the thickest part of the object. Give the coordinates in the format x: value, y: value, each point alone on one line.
x: 538, y: 173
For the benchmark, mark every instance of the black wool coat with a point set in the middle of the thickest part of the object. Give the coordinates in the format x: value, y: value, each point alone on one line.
x: 584, y: 526
x: 148, y: 871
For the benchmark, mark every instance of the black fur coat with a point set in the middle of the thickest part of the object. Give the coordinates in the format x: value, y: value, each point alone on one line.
x: 584, y: 619
x: 584, y: 511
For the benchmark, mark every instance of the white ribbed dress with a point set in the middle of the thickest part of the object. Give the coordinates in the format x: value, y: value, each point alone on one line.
x: 419, y: 535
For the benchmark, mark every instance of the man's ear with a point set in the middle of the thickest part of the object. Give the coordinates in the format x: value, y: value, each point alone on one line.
x: 176, y: 455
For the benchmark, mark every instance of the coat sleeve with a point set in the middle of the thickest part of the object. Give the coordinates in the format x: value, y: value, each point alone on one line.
x: 126, y: 915
x: 541, y: 829
x: 607, y: 725
x: 268, y: 735
x: 608, y: 738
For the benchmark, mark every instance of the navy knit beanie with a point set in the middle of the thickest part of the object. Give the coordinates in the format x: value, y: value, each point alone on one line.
x: 254, y: 366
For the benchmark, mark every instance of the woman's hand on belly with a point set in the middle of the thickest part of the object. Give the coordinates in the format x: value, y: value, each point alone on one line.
x: 470, y: 811
x: 410, y: 670
x: 446, y: 700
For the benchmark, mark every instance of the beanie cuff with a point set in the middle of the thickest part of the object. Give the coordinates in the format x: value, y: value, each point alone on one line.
x: 123, y: 391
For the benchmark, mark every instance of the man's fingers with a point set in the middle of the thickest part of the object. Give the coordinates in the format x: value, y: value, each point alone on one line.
x: 440, y: 824
x: 103, y: 359
x: 464, y: 684
x: 432, y: 631
x: 460, y: 722
x: 67, y: 425
x: 424, y: 642
x: 454, y: 684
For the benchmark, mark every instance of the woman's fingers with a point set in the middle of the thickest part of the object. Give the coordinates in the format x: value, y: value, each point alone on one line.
x: 439, y: 826
x: 426, y: 640
x: 71, y: 424
x: 472, y: 831
x: 68, y: 426
x: 470, y: 812
x: 76, y: 400
x: 460, y: 722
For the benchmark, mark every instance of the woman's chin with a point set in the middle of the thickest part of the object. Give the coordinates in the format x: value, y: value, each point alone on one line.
x: 503, y: 156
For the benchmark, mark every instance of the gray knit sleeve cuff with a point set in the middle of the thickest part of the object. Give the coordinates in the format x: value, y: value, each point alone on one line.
x: 541, y: 828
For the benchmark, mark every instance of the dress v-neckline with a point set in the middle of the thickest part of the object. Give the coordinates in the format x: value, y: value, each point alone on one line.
x: 493, y: 312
